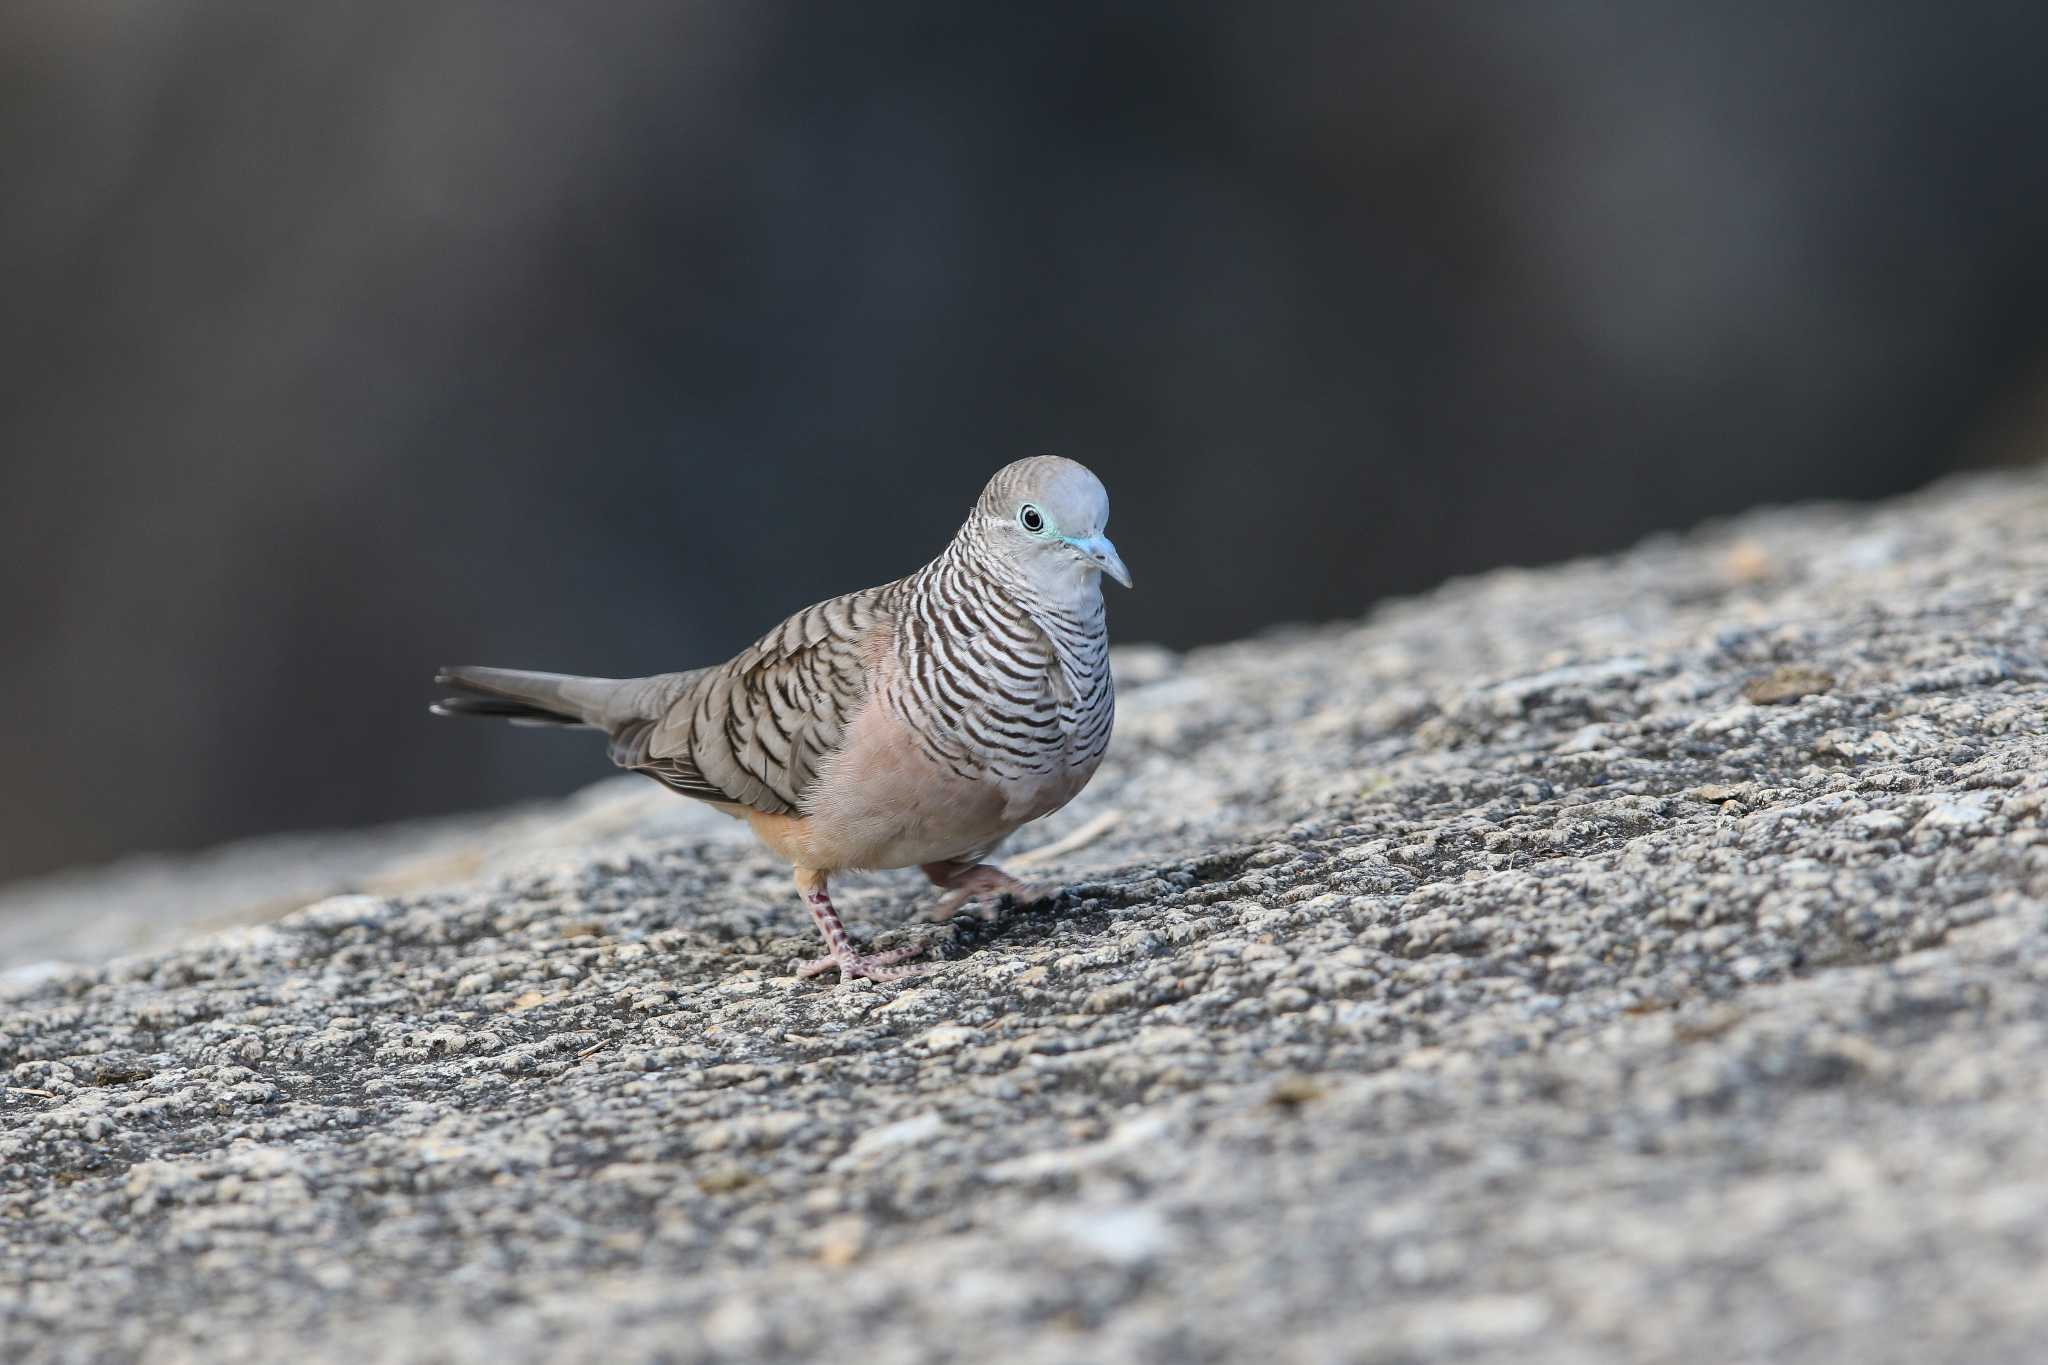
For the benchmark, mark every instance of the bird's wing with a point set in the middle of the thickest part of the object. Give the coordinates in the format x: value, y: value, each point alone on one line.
x: 755, y: 731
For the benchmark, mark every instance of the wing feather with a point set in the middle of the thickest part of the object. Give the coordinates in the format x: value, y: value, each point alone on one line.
x: 756, y: 731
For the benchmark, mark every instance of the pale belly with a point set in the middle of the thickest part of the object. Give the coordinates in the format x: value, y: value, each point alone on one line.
x: 882, y: 803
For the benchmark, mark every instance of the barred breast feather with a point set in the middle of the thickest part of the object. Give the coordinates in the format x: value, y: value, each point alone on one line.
x: 990, y: 690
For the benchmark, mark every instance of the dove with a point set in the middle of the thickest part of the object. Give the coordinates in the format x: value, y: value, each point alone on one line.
x: 915, y: 724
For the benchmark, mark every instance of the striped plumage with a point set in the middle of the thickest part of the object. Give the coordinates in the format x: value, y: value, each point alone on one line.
x: 917, y: 723
x: 992, y: 679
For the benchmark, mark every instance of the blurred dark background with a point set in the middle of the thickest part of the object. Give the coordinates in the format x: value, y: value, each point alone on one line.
x: 340, y: 341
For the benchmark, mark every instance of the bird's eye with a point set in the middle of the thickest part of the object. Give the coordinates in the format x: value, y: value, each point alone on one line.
x: 1030, y: 518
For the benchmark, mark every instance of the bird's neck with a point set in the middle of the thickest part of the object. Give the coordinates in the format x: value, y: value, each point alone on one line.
x: 1061, y: 603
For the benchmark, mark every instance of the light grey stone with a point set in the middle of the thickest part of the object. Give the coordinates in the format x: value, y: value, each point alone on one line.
x: 1486, y: 980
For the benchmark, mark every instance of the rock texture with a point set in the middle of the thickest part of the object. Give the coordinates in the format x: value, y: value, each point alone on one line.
x: 1643, y: 959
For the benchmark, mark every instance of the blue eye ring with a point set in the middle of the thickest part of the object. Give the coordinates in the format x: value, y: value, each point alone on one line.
x: 1030, y: 518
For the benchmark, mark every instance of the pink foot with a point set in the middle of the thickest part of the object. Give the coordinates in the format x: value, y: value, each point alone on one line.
x: 873, y: 966
x: 841, y: 954
x: 965, y: 882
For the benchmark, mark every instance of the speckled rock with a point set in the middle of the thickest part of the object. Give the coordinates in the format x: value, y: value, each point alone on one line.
x: 1642, y: 959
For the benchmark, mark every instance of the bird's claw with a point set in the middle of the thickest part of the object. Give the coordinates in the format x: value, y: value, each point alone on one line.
x: 873, y: 966
x: 957, y: 900
x: 953, y: 902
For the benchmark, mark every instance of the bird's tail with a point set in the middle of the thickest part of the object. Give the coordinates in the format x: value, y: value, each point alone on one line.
x: 523, y: 697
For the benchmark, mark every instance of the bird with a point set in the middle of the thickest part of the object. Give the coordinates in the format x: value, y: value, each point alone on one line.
x: 919, y: 723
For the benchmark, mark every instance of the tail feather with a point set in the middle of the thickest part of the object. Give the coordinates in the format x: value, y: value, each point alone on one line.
x: 496, y: 708
x: 529, y: 698
x: 522, y: 696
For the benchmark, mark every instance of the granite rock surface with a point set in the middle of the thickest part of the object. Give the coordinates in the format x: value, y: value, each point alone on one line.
x: 1642, y: 959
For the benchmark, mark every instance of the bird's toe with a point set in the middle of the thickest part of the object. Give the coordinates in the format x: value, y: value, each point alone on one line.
x: 985, y: 896
x: 873, y: 966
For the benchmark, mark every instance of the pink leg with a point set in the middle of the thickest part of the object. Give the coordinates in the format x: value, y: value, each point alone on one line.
x: 875, y: 966
x: 965, y: 881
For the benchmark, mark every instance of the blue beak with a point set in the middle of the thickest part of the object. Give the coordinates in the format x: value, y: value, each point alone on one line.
x: 1099, y: 552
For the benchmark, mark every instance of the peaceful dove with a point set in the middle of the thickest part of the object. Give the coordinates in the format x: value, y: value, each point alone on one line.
x: 914, y: 724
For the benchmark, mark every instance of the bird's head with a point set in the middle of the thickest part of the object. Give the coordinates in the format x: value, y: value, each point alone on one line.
x: 1046, y: 516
